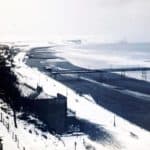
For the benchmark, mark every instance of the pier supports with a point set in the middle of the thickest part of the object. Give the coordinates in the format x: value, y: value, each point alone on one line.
x: 123, y: 74
x: 144, y: 75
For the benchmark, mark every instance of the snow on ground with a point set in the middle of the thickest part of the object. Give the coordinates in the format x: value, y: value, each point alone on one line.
x: 28, y: 137
x: 8, y: 143
x: 120, y: 134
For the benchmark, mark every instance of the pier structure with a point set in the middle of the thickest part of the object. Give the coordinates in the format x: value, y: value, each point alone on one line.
x: 101, y: 72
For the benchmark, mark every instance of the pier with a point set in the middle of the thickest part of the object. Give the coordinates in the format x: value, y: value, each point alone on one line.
x: 100, y: 70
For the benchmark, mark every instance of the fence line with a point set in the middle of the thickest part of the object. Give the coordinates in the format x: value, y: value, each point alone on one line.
x: 6, y: 122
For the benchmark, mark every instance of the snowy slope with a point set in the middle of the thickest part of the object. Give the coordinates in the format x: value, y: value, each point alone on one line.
x: 123, y: 135
x: 7, y: 142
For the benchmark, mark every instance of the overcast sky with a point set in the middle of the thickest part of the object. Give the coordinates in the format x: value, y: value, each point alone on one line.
x: 106, y: 20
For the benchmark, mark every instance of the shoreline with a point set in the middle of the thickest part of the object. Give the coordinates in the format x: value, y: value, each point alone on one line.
x: 85, y: 109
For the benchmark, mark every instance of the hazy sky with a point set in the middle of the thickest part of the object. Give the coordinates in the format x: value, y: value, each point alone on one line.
x: 106, y: 20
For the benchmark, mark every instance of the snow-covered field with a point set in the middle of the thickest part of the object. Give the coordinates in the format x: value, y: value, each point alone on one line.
x: 113, y: 131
